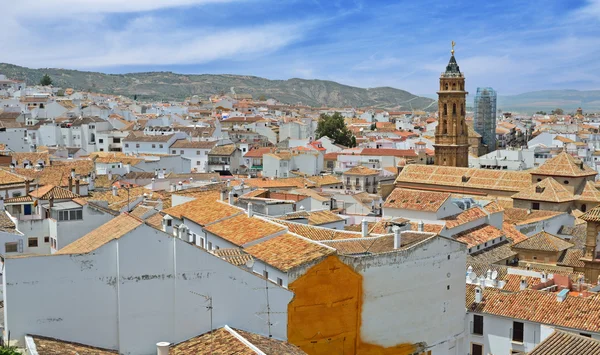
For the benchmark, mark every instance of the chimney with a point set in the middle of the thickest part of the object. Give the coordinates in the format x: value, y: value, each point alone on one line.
x: 191, y: 179
x: 26, y: 187
x: 70, y: 184
x: 543, y: 277
x: 228, y: 183
x: 478, y: 295
x: 77, y: 186
x: 231, y: 197
x: 364, y: 228
x: 73, y: 173
x: 397, y: 237
x: 162, y: 348
x: 114, y: 191
x: 250, y: 212
x: 152, y: 184
x: 421, y: 226
x: 110, y: 175
x: 223, y: 195
x: 179, y: 186
x: 523, y: 284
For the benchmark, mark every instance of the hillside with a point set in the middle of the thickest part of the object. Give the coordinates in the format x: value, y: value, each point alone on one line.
x: 172, y: 86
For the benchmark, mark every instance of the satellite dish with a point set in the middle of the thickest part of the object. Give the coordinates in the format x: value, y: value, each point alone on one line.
x: 473, y: 277
x: 494, y: 275
x: 250, y: 263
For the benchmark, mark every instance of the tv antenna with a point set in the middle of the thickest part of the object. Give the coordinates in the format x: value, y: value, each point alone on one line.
x: 209, y: 308
x: 268, y: 312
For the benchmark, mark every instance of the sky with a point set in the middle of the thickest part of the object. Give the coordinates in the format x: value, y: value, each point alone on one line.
x: 513, y: 46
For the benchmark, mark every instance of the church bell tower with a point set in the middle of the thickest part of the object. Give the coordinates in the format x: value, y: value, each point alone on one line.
x: 451, y: 135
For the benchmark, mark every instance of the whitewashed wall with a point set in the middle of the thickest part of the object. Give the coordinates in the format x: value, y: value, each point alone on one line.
x: 134, y: 292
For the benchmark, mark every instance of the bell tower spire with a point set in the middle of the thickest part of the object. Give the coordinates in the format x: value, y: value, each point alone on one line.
x: 451, y: 134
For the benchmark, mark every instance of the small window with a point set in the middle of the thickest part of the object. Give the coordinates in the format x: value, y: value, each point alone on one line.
x: 566, y: 182
x: 181, y: 151
x: 100, y: 140
x: 538, y: 180
x: 585, y: 335
x: 153, y: 145
x: 209, y: 246
x: 32, y: 242
x: 535, y: 206
x: 448, y: 287
x: 517, y: 333
x: 279, y: 281
x: 197, y: 152
x: 10, y: 247
x: 448, y: 257
x: 160, y: 145
x: 46, y: 239
x: 169, y: 222
x: 126, y: 145
x: 477, y: 324
x: 476, y: 349
x: 137, y: 145
x: 174, y: 151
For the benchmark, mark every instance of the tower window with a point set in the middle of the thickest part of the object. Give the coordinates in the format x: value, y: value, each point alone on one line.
x: 454, y: 109
x: 445, y: 109
x: 446, y: 86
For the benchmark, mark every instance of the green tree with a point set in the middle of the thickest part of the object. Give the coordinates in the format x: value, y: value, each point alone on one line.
x: 541, y: 113
x: 558, y: 111
x: 9, y: 350
x: 46, y: 80
x: 262, y: 98
x: 333, y: 126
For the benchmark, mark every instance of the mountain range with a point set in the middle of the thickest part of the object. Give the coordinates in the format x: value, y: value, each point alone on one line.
x: 172, y: 86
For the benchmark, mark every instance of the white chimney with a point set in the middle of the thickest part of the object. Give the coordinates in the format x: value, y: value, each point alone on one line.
x: 397, y: 237
x: 523, y: 284
x: 152, y: 184
x: 364, y: 228
x: 231, y: 197
x: 228, y: 182
x: 469, y: 274
x: 73, y: 173
x: 179, y: 186
x: 191, y: 179
x: 478, y: 295
x: 250, y: 212
x: 223, y: 195
x: 421, y: 226
x: 162, y: 348
x: 115, y: 191
x: 109, y: 175
x: 543, y: 277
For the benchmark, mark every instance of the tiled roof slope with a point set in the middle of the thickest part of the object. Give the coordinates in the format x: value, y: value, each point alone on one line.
x: 590, y: 192
x: 543, y: 241
x: 6, y: 224
x: 566, y: 343
x: 233, y: 256
x: 113, y: 229
x: 479, y: 235
x: 288, y: 251
x: 7, y: 178
x: 44, y: 193
x: 242, y: 229
x: 520, y: 216
x: 564, y: 164
x: 51, y: 346
x: 472, y: 214
x: 377, y: 245
x: 501, y: 180
x: 416, y: 200
x: 317, y: 233
x: 592, y: 215
x: 360, y: 170
x: 223, y: 342
x: 547, y: 190
x: 540, y: 307
x: 204, y: 209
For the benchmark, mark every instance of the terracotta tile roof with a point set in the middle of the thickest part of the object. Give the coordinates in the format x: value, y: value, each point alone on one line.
x: 520, y: 216
x: 361, y: 170
x: 275, y: 183
x: 317, y: 218
x: 227, y: 149
x: 564, y: 139
x: 479, y: 235
x: 155, y: 221
x: 32, y: 158
x: 513, y: 282
x: 44, y: 193
x: 6, y: 224
x: 427, y: 227
x: 512, y: 233
x: 589, y: 193
x: 242, y: 229
x: 8, y: 178
x: 539, y: 307
x: 377, y: 245
x: 566, y: 165
x: 416, y: 200
x: 113, y: 229
x: 543, y: 241
x: 501, y: 180
x: 322, y: 181
x: 288, y: 251
x: 140, y: 210
x: 493, y: 207
x: 19, y: 199
x: 58, y: 173
x: 497, y: 253
x: 148, y: 138
x: 547, y: 190
x: 223, y: 342
x: 566, y: 343
x: 205, y: 209
x: 571, y: 258
x: 185, y: 144
x: 120, y: 200
x: 258, y: 152
x: 313, y: 194
x: 317, y: 233
x: 470, y: 215
x: 233, y: 256
x: 51, y: 346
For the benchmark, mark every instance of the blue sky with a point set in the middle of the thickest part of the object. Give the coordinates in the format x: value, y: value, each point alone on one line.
x: 512, y: 46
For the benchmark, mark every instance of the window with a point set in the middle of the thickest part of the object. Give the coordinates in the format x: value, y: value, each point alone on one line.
x: 16, y: 194
x: 476, y: 349
x: 209, y: 246
x: 535, y: 206
x: 10, y: 247
x: 279, y: 281
x: 566, y: 182
x: 198, y: 162
x: 266, y: 274
x: 197, y: 152
x: 100, y: 140
x: 70, y: 215
x: 477, y: 324
x: 357, y: 181
x: 46, y: 239
x: 169, y: 222
x: 448, y: 287
x: 585, y: 335
x: 583, y: 207
x: 181, y: 151
x: 160, y: 145
x: 517, y: 332
x: 32, y: 242
x: 101, y: 149
x: 174, y: 151
x: 153, y: 145
x: 347, y: 181
x: 126, y: 145
x: 137, y: 145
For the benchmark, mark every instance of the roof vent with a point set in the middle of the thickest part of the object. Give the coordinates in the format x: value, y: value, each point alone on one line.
x: 539, y: 189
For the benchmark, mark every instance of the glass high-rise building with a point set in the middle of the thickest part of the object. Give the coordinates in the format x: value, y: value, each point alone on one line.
x: 484, y: 119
